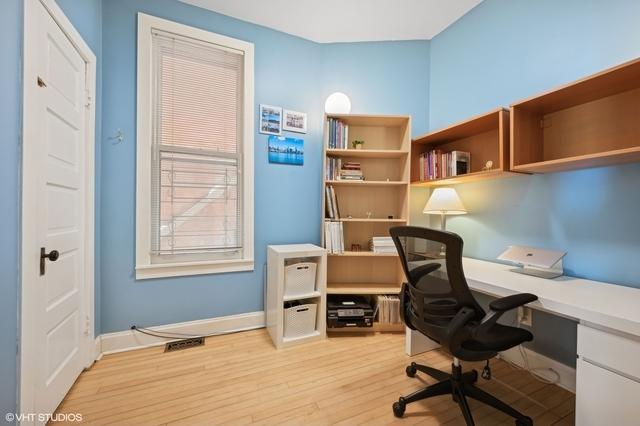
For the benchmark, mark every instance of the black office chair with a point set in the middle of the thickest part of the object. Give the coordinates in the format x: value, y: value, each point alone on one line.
x: 437, y: 302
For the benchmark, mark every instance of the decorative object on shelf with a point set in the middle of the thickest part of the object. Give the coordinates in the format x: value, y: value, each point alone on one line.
x: 487, y: 166
x: 270, y: 120
x: 294, y: 121
x: 356, y: 247
x: 369, y: 214
x: 390, y: 216
x: 337, y: 103
x: 357, y: 144
x: 444, y: 201
x: 286, y: 150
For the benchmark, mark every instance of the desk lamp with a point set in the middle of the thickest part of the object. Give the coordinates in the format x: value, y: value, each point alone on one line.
x: 444, y: 201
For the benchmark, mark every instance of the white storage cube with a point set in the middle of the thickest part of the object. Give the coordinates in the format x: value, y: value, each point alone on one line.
x: 300, y: 279
x: 300, y: 321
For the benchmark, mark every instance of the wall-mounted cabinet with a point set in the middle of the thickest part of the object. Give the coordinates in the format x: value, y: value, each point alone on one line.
x: 589, y: 123
x: 485, y: 138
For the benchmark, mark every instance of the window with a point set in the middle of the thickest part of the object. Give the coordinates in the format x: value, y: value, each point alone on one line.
x: 194, y: 198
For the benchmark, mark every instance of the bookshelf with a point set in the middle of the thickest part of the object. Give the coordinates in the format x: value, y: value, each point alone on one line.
x: 588, y: 123
x: 485, y: 138
x: 368, y: 207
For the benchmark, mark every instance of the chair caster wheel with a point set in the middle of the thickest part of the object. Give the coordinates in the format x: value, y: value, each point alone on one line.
x: 411, y: 370
x: 398, y: 408
x: 525, y: 421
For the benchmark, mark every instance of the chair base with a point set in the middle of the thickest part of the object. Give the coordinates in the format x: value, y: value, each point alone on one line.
x: 460, y: 386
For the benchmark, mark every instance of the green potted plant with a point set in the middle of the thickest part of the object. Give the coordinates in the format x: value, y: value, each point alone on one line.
x: 357, y: 144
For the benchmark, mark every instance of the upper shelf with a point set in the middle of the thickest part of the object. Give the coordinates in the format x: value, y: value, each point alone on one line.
x: 485, y: 137
x: 588, y: 123
x: 367, y: 153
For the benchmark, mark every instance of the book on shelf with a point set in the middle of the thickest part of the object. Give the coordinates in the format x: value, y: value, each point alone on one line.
x: 382, y: 245
x: 338, y: 134
x: 437, y: 164
x: 388, y: 307
x: 336, y: 169
x: 333, y: 237
x: 331, y: 204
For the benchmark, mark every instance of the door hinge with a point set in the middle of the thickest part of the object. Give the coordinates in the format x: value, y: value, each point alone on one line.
x: 87, y: 324
x: 41, y: 82
x: 88, y: 98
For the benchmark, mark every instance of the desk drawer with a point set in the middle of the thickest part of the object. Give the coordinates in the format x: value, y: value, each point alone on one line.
x: 605, y: 398
x: 609, y: 350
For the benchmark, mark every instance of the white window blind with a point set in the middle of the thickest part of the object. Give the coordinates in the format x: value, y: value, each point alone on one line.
x: 196, y: 197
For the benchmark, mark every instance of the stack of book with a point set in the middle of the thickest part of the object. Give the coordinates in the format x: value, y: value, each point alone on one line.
x: 333, y: 237
x: 382, y: 245
x: 438, y: 165
x: 351, y: 171
x: 388, y: 309
x: 338, y: 133
x: 331, y: 204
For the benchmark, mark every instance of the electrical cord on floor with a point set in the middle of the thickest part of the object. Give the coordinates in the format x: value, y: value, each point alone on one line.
x: 174, y: 335
x: 536, y: 372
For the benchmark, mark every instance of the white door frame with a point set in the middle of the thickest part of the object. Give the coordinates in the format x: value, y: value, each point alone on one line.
x: 29, y: 121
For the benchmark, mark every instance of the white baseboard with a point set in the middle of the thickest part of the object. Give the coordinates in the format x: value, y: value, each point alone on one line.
x: 567, y: 375
x: 129, y: 340
x: 97, y: 349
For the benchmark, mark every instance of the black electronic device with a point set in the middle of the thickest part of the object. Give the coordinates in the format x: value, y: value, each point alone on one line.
x: 349, y: 311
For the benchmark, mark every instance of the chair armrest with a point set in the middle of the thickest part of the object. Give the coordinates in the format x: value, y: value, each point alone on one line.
x: 510, y: 302
x: 499, y: 307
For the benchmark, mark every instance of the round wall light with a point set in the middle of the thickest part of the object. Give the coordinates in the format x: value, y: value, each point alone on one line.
x: 337, y: 103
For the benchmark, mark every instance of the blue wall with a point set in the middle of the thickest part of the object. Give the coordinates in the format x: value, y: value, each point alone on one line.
x: 503, y: 51
x: 10, y: 131
x: 289, y: 72
x: 380, y: 78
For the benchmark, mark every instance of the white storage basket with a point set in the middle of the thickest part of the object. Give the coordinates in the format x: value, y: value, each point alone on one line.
x: 300, y: 321
x: 299, y: 279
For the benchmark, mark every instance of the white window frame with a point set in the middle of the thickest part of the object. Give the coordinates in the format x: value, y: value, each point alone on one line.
x: 144, y: 266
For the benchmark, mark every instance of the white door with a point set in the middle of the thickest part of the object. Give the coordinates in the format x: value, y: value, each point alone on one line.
x: 55, y: 326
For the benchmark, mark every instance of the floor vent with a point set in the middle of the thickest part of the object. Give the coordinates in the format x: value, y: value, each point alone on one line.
x: 184, y: 344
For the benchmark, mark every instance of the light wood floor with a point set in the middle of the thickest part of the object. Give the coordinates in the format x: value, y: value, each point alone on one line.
x: 242, y: 379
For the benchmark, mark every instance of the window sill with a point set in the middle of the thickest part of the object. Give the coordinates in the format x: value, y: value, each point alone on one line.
x: 164, y: 270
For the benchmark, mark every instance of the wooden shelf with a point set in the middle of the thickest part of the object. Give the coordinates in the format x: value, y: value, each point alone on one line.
x: 366, y: 183
x: 376, y: 328
x: 385, y: 162
x: 372, y: 220
x: 362, y: 254
x: 363, y: 288
x: 469, y: 177
x: 367, y: 153
x: 591, y: 122
x: 485, y: 137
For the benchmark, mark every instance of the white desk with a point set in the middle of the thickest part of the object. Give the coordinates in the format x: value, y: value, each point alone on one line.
x: 608, y: 367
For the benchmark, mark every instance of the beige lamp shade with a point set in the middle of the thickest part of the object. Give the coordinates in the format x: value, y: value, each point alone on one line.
x: 444, y: 201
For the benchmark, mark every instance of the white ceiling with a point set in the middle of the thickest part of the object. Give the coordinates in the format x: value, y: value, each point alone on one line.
x: 329, y: 21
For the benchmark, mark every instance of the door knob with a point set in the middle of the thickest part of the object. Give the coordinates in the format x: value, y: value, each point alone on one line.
x: 53, y: 255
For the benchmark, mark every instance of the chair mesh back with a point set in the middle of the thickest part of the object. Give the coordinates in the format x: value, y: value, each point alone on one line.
x: 432, y: 261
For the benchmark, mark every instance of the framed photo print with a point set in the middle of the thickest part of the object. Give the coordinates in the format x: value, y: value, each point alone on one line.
x: 294, y: 121
x: 270, y: 120
x: 286, y: 150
